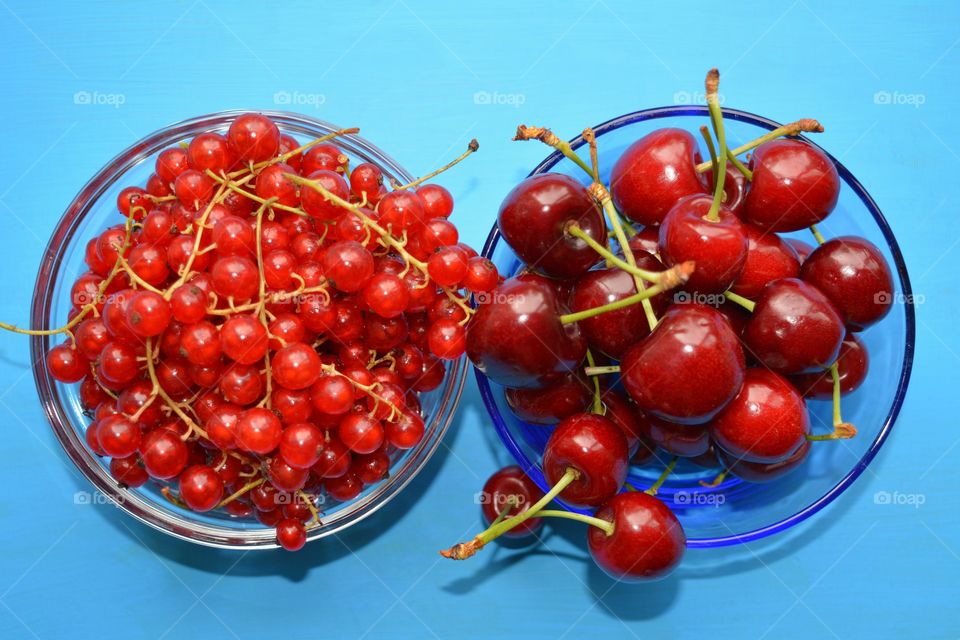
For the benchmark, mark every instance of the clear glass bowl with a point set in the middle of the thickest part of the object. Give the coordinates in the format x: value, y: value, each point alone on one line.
x: 737, y: 511
x: 93, y: 210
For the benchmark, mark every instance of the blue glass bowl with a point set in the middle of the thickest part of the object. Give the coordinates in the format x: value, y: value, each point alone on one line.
x: 92, y: 211
x: 737, y: 511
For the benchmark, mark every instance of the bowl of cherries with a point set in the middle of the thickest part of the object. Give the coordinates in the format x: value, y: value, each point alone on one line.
x: 248, y: 328
x: 704, y: 336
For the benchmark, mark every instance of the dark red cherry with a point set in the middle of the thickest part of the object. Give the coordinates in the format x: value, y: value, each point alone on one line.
x: 766, y: 422
x: 803, y: 249
x: 760, y: 471
x: 735, y: 186
x: 647, y: 540
x: 769, y: 258
x: 684, y: 440
x: 719, y: 248
x: 511, y: 482
x: 853, y: 273
x: 565, y: 397
x: 688, y: 369
x: 622, y: 412
x: 653, y: 173
x: 794, y: 328
x: 646, y: 239
x: 534, y: 219
x: 596, y: 449
x: 852, y: 365
x: 517, y: 340
x: 794, y: 186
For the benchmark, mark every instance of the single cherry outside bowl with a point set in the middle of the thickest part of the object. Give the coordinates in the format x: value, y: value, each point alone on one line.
x: 736, y: 511
x: 92, y: 211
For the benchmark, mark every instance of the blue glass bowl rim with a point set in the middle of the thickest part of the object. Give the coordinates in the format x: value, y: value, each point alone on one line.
x: 531, y: 467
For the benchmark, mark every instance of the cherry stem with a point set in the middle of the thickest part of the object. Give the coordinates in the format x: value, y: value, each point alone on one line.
x: 749, y: 305
x: 511, y: 502
x: 640, y: 296
x: 708, y: 140
x: 601, y: 371
x: 597, y: 401
x: 651, y: 276
x: 652, y: 490
x: 550, y: 139
x: 742, y: 168
x: 464, y: 550
x: 472, y: 147
x: 712, y: 84
x: 806, y: 125
x: 816, y: 234
x: 716, y: 481
x: 841, y: 430
x: 599, y: 523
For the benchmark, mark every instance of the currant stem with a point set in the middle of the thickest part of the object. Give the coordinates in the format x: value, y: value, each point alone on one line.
x: 708, y: 140
x: 599, y: 523
x: 652, y: 490
x: 250, y: 486
x: 472, y: 147
x: 464, y: 550
x: 806, y: 125
x: 749, y: 305
x: 816, y: 234
x: 601, y: 371
x: 712, y: 84
x: 597, y: 401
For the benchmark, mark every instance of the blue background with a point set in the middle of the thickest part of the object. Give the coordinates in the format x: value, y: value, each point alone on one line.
x: 407, y: 73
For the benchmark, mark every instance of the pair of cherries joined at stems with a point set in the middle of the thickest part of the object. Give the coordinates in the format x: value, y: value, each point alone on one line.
x: 254, y: 336
x: 720, y: 384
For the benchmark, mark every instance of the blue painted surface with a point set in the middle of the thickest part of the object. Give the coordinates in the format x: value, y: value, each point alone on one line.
x: 420, y: 79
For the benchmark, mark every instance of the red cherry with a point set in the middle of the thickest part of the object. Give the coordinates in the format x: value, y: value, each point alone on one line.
x: 684, y: 440
x: 794, y: 185
x: 769, y: 258
x: 653, y: 173
x: 760, y: 471
x: 647, y: 541
x: 596, y: 449
x: 549, y: 405
x: 852, y: 365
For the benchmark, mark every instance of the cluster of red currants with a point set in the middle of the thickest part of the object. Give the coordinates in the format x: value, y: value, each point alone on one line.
x: 716, y: 372
x: 253, y: 337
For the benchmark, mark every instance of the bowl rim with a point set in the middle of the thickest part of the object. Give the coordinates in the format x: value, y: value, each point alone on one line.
x: 89, y: 465
x: 532, y: 468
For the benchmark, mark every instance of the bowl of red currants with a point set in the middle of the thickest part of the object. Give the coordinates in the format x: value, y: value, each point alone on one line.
x: 744, y: 361
x: 238, y: 337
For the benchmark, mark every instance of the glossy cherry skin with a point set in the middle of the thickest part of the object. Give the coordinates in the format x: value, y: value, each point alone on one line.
x: 517, y: 340
x: 565, y: 397
x: 719, y: 248
x: 612, y: 332
x: 794, y: 186
x: 596, y: 448
x: 653, y: 173
x: 853, y: 363
x: 507, y: 482
x: 767, y: 421
x: 794, y: 328
x: 534, y: 218
x: 769, y: 258
x: 763, y: 472
x: 684, y: 440
x: 688, y: 369
x: 647, y: 542
x: 853, y: 273
x: 625, y: 415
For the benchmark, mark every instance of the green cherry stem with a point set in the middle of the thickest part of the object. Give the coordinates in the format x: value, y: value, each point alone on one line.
x: 712, y: 84
x: 708, y: 140
x: 806, y: 125
x: 742, y: 168
x: 599, y: 523
x: 841, y: 430
x: 601, y: 371
x: 654, y: 277
x: 652, y: 490
x: 716, y: 481
x: 597, y: 401
x: 550, y: 139
x: 740, y: 300
x: 640, y: 296
x: 816, y: 234
x: 464, y: 550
